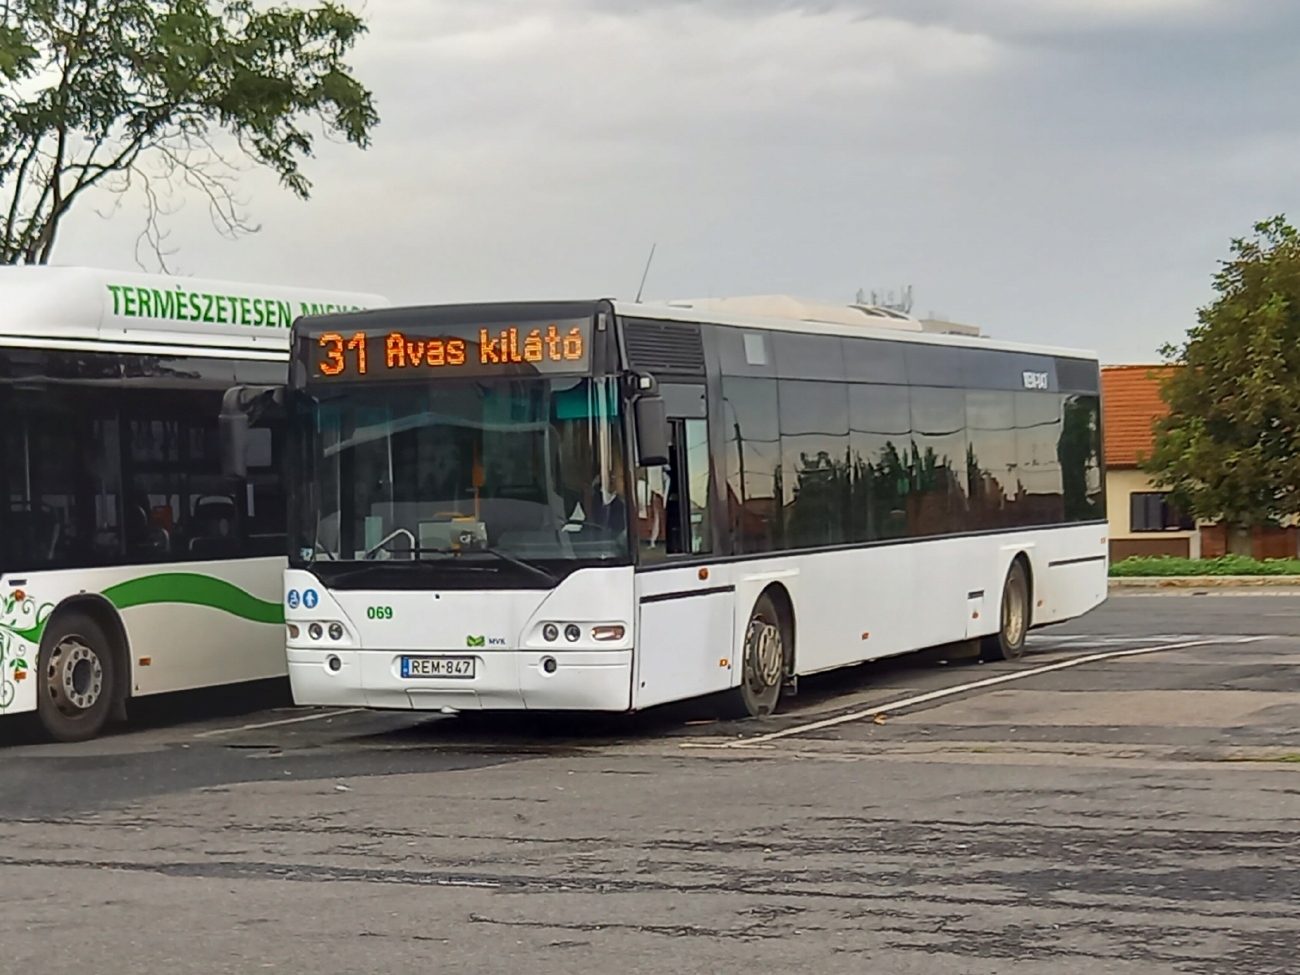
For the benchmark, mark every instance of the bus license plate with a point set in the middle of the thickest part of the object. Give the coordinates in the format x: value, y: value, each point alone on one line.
x: 437, y: 666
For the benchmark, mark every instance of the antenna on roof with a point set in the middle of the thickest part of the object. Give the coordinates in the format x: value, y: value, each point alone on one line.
x: 646, y: 271
x: 889, y: 300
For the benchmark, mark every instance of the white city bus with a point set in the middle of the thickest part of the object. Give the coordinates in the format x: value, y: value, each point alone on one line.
x: 803, y: 491
x: 129, y: 565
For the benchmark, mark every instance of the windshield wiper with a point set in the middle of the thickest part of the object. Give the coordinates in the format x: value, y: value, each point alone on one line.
x: 380, y: 566
x: 455, y: 556
x: 536, y: 570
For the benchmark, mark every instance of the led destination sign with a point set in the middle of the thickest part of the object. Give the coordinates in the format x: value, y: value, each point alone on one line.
x: 478, y: 351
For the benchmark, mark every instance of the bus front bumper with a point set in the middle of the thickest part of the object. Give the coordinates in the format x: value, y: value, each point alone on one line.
x: 502, y: 680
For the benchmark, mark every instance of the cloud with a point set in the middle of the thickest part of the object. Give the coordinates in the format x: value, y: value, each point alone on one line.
x: 1053, y: 170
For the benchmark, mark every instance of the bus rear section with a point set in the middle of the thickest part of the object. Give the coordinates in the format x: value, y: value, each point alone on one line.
x: 585, y: 506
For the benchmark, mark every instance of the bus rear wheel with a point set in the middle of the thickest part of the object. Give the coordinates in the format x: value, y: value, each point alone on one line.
x: 76, y: 679
x: 763, y: 665
x: 1008, y: 643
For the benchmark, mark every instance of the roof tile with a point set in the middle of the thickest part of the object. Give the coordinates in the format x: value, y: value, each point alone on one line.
x: 1131, y: 404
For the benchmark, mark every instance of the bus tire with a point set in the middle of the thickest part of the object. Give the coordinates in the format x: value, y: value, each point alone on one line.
x: 76, y: 680
x: 1008, y: 643
x: 763, y: 666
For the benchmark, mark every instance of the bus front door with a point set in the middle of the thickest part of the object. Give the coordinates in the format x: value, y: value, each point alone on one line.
x: 685, y: 625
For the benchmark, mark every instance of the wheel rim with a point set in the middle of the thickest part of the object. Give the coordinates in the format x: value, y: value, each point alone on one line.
x: 766, y: 655
x: 74, y: 676
x: 1013, y: 614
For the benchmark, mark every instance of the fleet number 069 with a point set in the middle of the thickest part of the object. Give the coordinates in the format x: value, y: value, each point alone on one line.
x: 379, y: 612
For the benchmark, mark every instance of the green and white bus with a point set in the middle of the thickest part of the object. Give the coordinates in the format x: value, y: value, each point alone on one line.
x: 129, y: 565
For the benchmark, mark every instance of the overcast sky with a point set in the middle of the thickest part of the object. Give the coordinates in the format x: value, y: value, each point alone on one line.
x: 1066, y: 171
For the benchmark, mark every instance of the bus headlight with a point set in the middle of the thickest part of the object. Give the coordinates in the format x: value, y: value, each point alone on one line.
x: 336, y: 631
x: 572, y: 633
x: 550, y: 632
x: 315, y: 632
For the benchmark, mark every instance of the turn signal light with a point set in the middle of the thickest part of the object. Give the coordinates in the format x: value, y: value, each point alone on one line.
x: 605, y: 634
x: 293, y: 631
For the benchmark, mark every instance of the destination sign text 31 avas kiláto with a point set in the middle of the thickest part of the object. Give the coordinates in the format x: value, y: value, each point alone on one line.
x: 551, y: 347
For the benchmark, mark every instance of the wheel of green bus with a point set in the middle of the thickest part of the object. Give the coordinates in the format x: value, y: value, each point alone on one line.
x: 763, y: 666
x: 1009, y: 641
x: 76, y: 679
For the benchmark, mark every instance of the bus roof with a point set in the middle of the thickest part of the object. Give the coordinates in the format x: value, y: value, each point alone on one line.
x: 76, y: 307
x: 785, y: 314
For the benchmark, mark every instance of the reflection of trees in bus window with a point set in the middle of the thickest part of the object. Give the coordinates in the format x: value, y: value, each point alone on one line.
x: 1079, y: 452
x: 753, y: 451
x: 880, y: 433
x: 1038, y: 434
x: 815, y: 461
x: 938, y: 502
x: 991, y: 458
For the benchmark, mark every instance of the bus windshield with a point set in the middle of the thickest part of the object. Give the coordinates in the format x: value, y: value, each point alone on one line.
x: 523, y: 471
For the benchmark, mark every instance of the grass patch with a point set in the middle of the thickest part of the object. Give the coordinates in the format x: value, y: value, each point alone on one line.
x: 1227, y: 565
x: 1292, y: 759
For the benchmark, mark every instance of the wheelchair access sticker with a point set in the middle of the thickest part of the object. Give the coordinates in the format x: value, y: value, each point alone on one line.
x: 292, y: 598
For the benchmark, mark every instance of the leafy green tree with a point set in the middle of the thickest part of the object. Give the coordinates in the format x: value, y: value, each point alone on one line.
x: 1230, y: 447
x: 164, y: 95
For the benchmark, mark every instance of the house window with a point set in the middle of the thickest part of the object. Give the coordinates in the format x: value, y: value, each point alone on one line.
x: 1150, y: 511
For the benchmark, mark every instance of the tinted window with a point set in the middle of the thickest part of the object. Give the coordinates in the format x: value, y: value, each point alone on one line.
x: 814, y: 462
x: 745, y: 352
x: 937, y: 462
x: 119, y: 463
x: 800, y: 356
x: 874, y: 360
x: 934, y: 365
x: 1078, y: 375
x: 1082, y: 478
x: 59, y: 467
x: 1038, y: 466
x: 255, y: 373
x: 753, y: 451
x: 880, y: 433
x: 991, y: 458
x: 178, y: 506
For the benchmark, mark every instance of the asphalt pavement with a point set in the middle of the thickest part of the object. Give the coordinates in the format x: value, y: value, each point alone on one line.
x: 1125, y: 799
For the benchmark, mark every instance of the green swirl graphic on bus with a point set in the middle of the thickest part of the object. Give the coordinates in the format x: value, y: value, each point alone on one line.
x: 22, y: 622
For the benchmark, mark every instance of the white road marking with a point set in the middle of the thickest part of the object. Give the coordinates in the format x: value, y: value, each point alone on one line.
x: 909, y: 702
x: 272, y: 724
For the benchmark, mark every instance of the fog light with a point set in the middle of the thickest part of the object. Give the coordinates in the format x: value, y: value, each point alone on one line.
x: 333, y: 663
x: 549, y: 665
x: 550, y: 632
x: 293, y: 631
x: 607, y: 633
x: 336, y: 631
x: 572, y: 633
x: 314, y: 631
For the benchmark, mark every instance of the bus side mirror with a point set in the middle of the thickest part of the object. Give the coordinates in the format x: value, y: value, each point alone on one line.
x: 234, y: 444
x: 651, y: 430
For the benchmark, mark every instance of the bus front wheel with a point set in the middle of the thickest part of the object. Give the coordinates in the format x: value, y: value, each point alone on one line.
x: 1008, y: 643
x: 76, y: 679
x: 763, y: 666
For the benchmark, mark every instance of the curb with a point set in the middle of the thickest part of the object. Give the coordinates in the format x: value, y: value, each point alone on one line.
x: 1205, y: 582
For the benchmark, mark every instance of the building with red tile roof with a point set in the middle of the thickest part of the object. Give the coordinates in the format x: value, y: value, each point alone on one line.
x: 1142, y: 522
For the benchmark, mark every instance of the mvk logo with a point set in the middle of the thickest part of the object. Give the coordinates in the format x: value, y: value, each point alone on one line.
x: 482, y: 641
